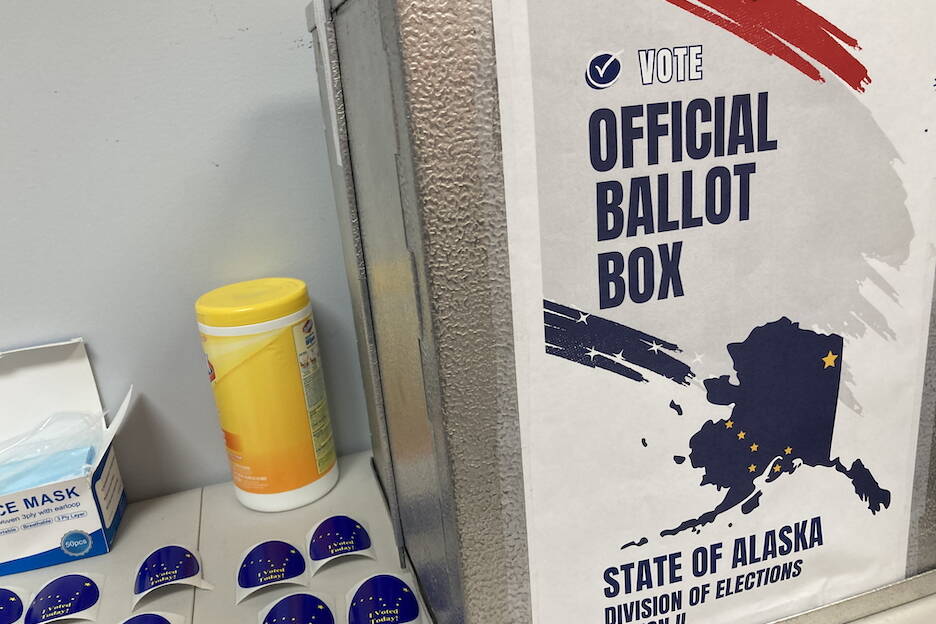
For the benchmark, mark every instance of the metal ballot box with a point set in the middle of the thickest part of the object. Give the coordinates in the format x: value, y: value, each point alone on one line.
x: 643, y: 295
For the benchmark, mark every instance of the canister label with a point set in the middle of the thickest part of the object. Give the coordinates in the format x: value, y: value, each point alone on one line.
x: 313, y: 388
x: 270, y: 393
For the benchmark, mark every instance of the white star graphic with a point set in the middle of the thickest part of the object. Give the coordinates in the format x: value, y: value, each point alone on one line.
x: 697, y: 359
x: 583, y: 318
x: 592, y: 352
x: 653, y: 346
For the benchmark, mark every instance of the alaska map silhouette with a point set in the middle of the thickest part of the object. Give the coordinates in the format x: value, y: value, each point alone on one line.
x: 783, y: 418
x: 784, y: 401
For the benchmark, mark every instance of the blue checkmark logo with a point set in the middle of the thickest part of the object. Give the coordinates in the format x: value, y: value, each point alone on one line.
x: 603, y: 70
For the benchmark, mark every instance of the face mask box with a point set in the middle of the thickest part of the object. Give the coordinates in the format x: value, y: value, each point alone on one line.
x: 71, y: 518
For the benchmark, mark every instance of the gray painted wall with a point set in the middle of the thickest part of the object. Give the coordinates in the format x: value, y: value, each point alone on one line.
x: 150, y: 151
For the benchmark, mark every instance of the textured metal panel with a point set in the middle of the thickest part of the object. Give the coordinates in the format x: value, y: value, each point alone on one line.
x: 434, y: 236
x: 457, y: 195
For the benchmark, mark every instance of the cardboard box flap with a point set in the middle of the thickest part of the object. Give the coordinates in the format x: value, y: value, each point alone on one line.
x: 37, y: 382
x: 117, y: 422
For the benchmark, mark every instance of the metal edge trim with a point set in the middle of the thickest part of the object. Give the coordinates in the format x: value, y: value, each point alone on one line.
x: 355, y: 263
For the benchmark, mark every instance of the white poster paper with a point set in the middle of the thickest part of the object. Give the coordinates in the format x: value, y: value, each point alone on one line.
x: 721, y: 245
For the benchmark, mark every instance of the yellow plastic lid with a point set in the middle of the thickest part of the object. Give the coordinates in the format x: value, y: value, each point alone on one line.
x: 255, y: 301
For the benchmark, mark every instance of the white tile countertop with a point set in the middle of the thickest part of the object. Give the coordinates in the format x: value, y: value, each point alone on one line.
x: 213, y: 522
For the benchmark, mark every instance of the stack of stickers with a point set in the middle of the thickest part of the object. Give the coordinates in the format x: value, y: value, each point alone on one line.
x: 384, y: 598
x: 380, y: 598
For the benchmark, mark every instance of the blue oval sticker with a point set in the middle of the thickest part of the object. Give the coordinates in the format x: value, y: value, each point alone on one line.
x: 147, y: 618
x: 300, y: 608
x: 166, y: 565
x: 63, y: 597
x: 270, y: 562
x: 338, y: 535
x: 11, y: 607
x: 383, y: 598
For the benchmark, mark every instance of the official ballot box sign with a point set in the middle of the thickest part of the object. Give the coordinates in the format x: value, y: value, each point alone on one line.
x: 642, y: 292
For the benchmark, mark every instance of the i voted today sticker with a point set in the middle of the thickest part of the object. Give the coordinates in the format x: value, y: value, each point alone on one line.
x: 154, y: 618
x: 168, y: 565
x: 11, y: 605
x: 338, y: 536
x: 269, y: 563
x: 384, y: 599
x: 301, y: 608
x: 73, y: 596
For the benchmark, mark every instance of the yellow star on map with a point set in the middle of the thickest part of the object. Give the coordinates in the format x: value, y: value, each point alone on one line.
x: 829, y: 360
x: 741, y: 435
x: 729, y: 424
x: 776, y: 468
x: 754, y: 447
x: 788, y: 450
x: 751, y: 468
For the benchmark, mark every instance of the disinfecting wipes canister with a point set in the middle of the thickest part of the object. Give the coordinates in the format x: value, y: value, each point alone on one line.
x: 266, y: 373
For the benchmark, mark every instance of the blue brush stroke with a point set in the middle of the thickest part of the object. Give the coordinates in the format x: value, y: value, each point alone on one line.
x: 596, y: 342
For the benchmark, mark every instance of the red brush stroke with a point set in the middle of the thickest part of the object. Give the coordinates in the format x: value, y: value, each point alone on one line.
x: 784, y: 28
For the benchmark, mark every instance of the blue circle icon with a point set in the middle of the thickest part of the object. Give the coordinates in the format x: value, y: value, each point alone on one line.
x: 603, y: 70
x: 76, y: 543
x: 11, y: 607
